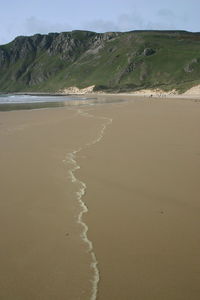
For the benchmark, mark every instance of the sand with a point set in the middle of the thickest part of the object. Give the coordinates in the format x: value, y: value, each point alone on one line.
x: 192, y: 93
x: 74, y: 90
x: 42, y: 255
x: 140, y: 162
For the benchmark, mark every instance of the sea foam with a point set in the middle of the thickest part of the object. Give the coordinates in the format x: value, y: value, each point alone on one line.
x: 71, y: 160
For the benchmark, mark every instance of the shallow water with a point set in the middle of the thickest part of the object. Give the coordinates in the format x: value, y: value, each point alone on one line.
x: 15, y: 99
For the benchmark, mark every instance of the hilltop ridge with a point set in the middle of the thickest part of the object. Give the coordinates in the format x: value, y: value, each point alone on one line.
x: 112, y: 61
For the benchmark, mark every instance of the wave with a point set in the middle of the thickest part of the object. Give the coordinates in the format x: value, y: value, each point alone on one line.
x: 16, y: 99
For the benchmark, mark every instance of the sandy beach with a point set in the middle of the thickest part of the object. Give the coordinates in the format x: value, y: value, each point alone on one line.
x: 135, y: 165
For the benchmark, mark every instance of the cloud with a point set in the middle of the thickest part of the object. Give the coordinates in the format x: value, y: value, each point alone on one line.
x: 34, y: 25
x: 166, y: 13
x: 30, y: 26
x: 168, y: 17
x: 163, y: 19
x: 130, y: 21
x: 99, y: 25
x: 124, y: 22
x: 133, y: 21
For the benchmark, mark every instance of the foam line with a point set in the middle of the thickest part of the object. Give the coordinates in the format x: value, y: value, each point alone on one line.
x: 72, y: 162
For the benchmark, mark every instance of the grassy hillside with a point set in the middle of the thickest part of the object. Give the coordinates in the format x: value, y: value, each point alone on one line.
x: 110, y: 61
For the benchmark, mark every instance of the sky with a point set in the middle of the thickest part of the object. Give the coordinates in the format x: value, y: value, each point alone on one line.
x: 27, y: 17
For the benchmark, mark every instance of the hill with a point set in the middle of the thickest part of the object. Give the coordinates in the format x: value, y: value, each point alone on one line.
x: 113, y: 61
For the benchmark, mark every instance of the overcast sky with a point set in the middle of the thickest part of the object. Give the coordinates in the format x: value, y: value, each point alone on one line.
x: 27, y: 17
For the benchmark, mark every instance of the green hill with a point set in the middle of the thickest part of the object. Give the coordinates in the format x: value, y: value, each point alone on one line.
x: 111, y: 61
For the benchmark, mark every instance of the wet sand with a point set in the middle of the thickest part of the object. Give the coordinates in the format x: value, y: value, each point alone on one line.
x: 41, y: 253
x: 143, y: 196
x: 142, y: 176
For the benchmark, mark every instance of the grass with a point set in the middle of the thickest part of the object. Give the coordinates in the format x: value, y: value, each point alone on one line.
x: 109, y: 66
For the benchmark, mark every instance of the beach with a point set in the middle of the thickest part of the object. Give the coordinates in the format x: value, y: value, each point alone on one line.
x: 101, y: 201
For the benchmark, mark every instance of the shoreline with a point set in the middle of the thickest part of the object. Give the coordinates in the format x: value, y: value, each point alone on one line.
x: 87, y: 100
x: 5, y: 107
x: 92, y: 99
x: 157, y: 93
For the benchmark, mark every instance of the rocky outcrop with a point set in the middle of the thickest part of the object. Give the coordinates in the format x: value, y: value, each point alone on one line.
x: 111, y: 61
x: 3, y: 58
x: 62, y: 48
x: 190, y: 66
x: 149, y: 51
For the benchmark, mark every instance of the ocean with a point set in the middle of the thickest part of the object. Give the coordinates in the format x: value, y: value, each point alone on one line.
x: 17, y: 99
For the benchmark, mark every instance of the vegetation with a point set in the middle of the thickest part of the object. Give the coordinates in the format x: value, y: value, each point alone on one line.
x: 110, y: 61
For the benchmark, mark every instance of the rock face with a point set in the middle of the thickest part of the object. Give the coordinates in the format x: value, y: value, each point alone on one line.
x: 190, y: 66
x: 111, y: 61
x: 57, y: 49
x: 148, y: 51
x: 3, y: 58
